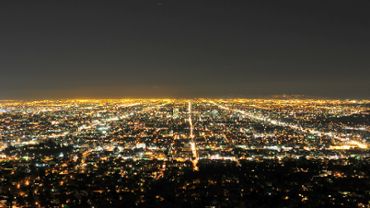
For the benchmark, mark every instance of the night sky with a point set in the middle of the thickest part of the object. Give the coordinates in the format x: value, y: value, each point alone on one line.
x: 184, y: 48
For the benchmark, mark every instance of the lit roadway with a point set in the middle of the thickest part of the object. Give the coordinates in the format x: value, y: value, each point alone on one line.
x: 195, y: 158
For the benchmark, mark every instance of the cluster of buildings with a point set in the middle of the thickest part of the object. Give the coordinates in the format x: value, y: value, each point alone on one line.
x: 121, y: 152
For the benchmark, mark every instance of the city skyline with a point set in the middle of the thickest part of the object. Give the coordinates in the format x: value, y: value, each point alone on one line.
x: 185, y: 103
x: 185, y: 153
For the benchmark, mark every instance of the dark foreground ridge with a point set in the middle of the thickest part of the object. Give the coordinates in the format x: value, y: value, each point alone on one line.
x: 291, y: 183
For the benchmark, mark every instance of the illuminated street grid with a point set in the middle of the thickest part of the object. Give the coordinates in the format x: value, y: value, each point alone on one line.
x: 47, y: 147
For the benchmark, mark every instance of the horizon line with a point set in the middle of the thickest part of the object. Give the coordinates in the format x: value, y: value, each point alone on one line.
x: 182, y: 98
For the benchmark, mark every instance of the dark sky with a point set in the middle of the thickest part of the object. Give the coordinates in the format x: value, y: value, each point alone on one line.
x: 184, y: 48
